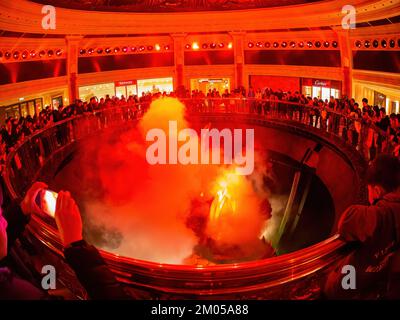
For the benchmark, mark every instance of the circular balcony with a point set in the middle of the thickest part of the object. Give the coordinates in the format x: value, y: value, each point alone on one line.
x: 295, y: 275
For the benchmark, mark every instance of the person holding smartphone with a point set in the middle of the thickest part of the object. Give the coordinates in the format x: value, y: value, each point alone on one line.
x: 84, y: 259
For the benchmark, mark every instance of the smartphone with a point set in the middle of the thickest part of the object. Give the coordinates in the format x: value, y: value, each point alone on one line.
x: 46, y: 200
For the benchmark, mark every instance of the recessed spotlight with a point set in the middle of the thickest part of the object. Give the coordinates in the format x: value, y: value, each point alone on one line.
x: 284, y: 44
x: 250, y: 44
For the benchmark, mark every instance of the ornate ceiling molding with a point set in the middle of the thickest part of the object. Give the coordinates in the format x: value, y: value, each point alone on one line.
x: 25, y: 16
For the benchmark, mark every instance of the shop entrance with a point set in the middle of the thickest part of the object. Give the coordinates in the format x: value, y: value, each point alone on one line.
x: 126, y: 88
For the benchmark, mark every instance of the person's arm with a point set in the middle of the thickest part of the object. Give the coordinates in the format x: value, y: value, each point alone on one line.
x: 18, y: 215
x: 357, y: 223
x: 84, y: 259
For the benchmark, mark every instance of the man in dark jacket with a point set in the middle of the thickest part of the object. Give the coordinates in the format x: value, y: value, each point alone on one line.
x: 84, y: 259
x: 375, y: 232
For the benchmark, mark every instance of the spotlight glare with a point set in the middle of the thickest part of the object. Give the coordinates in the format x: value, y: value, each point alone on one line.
x: 195, y: 46
x: 230, y: 45
x: 157, y: 47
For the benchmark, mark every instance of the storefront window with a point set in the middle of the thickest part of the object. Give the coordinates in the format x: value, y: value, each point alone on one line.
x: 23, y: 109
x: 155, y: 85
x: 307, y: 91
x: 98, y: 90
x: 321, y: 89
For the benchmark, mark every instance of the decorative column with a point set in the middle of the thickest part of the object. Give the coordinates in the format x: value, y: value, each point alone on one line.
x: 346, y: 56
x: 238, y: 51
x: 179, y: 58
x: 72, y: 66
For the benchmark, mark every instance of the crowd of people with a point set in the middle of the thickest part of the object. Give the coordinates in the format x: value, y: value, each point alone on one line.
x: 367, y: 127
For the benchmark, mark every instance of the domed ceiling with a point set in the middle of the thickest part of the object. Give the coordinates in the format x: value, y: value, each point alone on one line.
x: 170, y: 5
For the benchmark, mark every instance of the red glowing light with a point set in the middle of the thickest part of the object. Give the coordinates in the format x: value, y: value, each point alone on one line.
x: 230, y: 45
x: 157, y: 47
x: 250, y: 45
x: 195, y: 46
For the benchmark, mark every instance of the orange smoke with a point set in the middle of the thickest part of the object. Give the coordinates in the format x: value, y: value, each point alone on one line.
x: 148, y: 205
